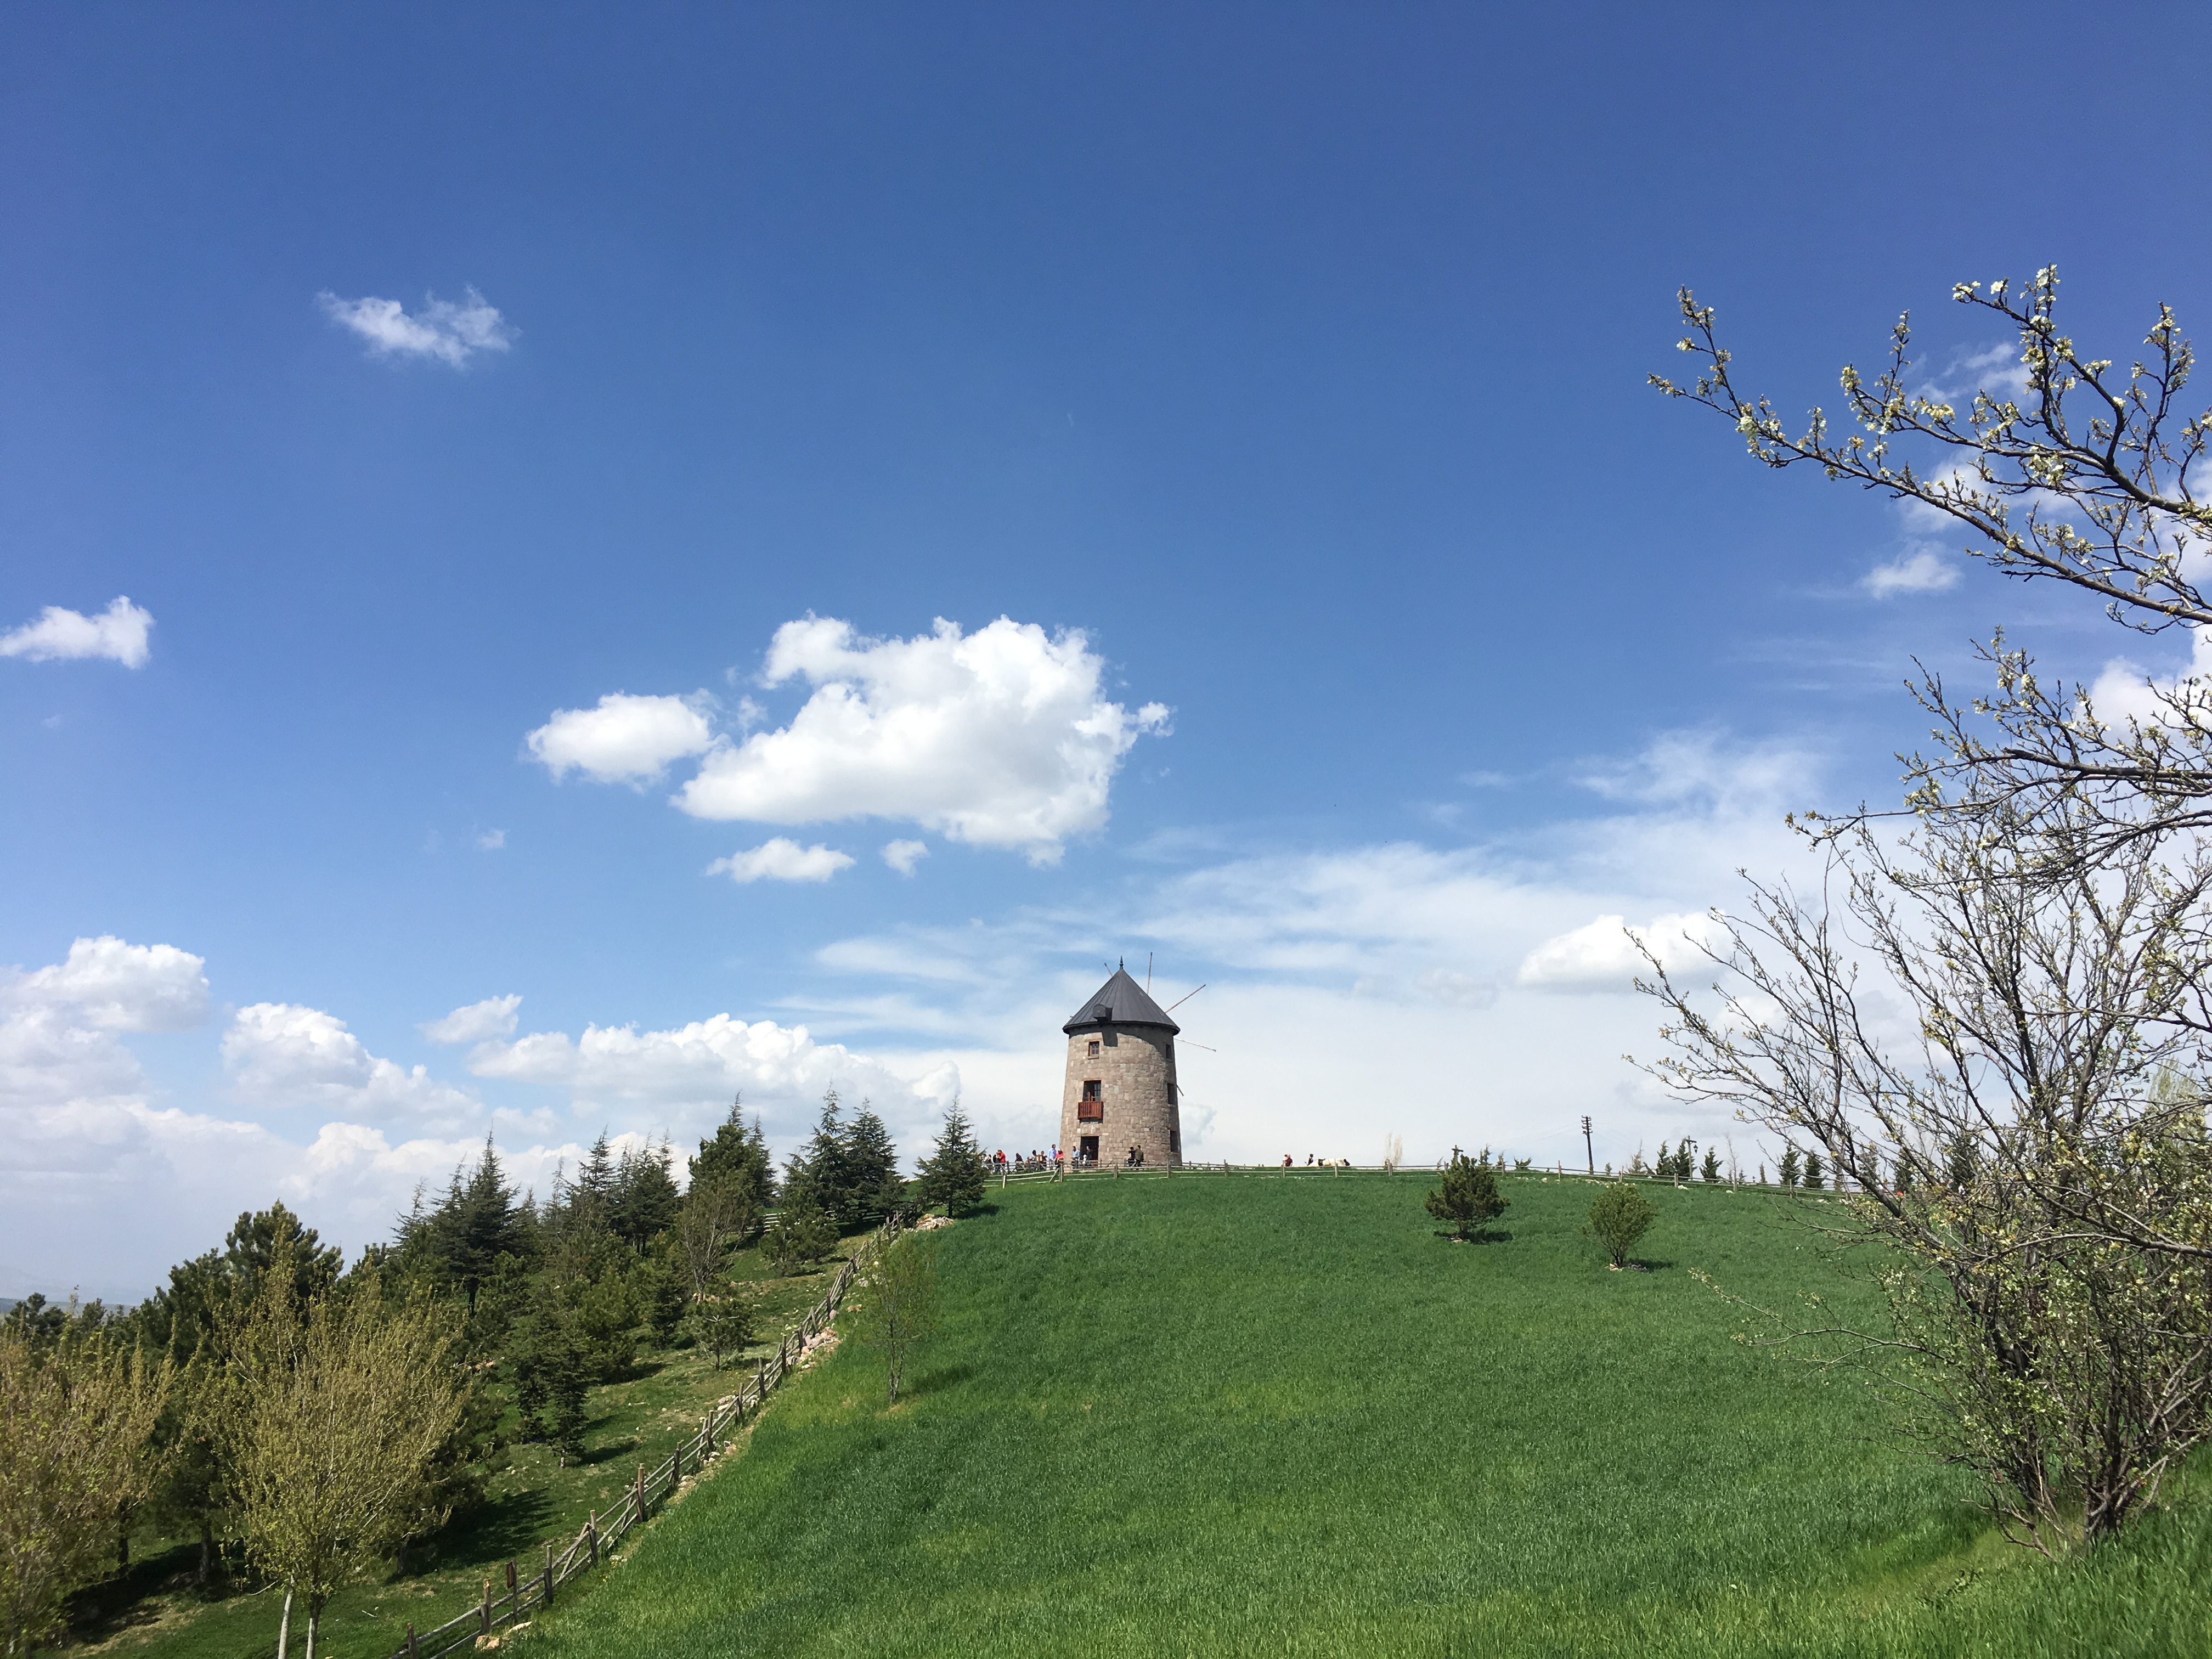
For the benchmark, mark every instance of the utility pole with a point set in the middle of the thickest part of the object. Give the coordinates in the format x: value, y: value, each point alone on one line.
x: 1586, y: 1152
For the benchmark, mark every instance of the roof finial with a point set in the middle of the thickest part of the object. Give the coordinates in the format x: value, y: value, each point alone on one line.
x: 1120, y: 962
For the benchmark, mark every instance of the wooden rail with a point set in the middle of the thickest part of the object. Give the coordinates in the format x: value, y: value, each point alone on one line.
x: 521, y: 1593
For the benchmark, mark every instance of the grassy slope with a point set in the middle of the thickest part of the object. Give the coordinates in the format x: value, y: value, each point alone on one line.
x: 155, y: 1615
x: 1279, y: 1416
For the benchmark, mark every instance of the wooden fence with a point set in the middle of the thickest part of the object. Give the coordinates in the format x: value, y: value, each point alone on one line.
x: 1118, y: 1172
x: 524, y: 1593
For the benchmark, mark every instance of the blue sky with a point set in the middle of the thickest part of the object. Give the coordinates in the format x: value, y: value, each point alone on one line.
x: 1277, y: 370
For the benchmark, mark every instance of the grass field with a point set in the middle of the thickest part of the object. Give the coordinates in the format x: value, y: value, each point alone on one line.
x: 154, y: 1614
x: 1279, y: 1415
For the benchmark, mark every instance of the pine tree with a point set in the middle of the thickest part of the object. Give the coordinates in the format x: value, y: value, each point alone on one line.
x: 816, y: 1174
x: 1962, y: 1161
x: 1814, y: 1171
x: 1712, y: 1166
x: 261, y: 1237
x: 723, y: 1319
x: 657, y: 1290
x: 803, y: 1234
x: 535, y: 1351
x: 605, y: 1317
x: 1789, y: 1170
x: 593, y: 1189
x: 737, y: 1157
x: 871, y: 1170
x: 478, y: 1224
x: 1468, y: 1198
x: 645, y: 1201
x: 953, y: 1176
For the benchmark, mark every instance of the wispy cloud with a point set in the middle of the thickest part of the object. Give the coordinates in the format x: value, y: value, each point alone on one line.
x: 1921, y: 571
x: 479, y: 1022
x: 118, y: 633
x: 448, y: 332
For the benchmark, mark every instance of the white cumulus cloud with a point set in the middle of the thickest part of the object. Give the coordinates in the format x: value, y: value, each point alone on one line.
x: 1602, y: 955
x: 60, y: 1026
x: 903, y: 855
x: 118, y: 633
x: 110, y: 986
x: 625, y: 740
x: 477, y: 1022
x: 281, y: 1056
x: 1001, y: 737
x: 705, y: 1064
x: 449, y: 332
x: 782, y: 859
x: 78, y: 1131
x: 2127, y: 690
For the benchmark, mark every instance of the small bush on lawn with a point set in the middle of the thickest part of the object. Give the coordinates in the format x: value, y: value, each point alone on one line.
x: 1619, y: 1218
x: 1469, y: 1197
x: 802, y: 1235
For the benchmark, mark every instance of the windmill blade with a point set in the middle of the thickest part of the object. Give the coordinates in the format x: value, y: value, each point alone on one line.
x: 1184, y: 998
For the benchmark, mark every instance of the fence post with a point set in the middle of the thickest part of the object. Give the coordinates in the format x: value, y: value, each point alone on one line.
x: 513, y: 1593
x: 707, y: 1433
x: 411, y: 1641
x: 484, y: 1620
x: 676, y: 1469
x: 591, y: 1532
x: 640, y: 1491
x: 549, y: 1574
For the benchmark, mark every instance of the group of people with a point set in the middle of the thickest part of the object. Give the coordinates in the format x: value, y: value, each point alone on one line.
x: 1056, y: 1160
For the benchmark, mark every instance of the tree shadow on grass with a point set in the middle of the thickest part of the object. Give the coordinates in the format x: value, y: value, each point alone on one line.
x: 504, y: 1529
x: 936, y: 1382
x: 124, y: 1601
x: 592, y: 1456
x: 1481, y: 1236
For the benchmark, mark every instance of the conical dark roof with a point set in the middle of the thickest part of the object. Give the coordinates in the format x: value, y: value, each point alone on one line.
x: 1122, y: 1001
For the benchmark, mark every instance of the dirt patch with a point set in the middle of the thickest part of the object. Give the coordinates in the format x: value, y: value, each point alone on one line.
x: 930, y: 1223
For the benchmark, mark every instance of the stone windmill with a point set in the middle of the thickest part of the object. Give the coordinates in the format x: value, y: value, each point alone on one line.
x: 1121, y: 1092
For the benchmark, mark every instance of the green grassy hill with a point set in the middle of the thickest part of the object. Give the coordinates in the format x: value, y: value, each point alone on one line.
x: 1279, y: 1415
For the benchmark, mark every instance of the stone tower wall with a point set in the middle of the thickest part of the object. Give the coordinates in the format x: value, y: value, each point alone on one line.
x: 1135, y: 1067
